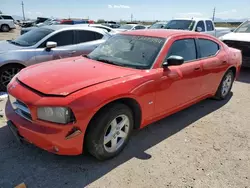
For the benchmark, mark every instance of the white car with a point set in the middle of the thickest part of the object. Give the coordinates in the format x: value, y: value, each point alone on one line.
x: 6, y: 23
x: 127, y: 27
x: 108, y: 29
x: 201, y: 25
x: 240, y: 39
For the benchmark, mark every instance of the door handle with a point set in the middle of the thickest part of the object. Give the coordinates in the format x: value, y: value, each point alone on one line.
x: 72, y: 52
x: 197, y: 68
x: 224, y: 62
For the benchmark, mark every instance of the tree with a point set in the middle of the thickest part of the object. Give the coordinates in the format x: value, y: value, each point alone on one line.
x: 100, y: 21
x: 1, y: 12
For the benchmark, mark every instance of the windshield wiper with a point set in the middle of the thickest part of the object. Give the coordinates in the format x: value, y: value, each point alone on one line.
x: 13, y: 42
x: 108, y: 61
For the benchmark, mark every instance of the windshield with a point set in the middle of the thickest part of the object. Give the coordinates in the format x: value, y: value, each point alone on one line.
x: 244, y: 28
x: 129, y: 51
x: 126, y: 27
x: 180, y: 24
x: 157, y: 26
x: 32, y: 37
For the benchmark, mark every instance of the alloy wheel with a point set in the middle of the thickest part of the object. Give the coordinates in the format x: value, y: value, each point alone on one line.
x: 116, y: 133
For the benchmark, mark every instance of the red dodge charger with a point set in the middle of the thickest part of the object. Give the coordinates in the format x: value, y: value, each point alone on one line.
x: 92, y: 103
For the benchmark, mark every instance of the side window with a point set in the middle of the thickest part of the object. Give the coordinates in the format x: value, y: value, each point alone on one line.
x: 210, y: 26
x: 87, y: 36
x: 1, y: 18
x: 7, y: 17
x: 185, y: 48
x: 201, y: 25
x: 63, y: 38
x: 137, y: 27
x: 208, y: 48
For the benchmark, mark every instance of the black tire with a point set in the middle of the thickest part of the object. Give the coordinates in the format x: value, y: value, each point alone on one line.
x: 99, y: 126
x: 3, y: 79
x: 220, y: 95
x: 5, y: 28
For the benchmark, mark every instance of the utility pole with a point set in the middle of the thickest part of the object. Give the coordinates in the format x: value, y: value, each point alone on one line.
x: 23, y: 10
x: 214, y: 14
x: 131, y: 17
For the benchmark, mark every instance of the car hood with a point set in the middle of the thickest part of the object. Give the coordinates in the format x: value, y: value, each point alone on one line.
x: 65, y: 76
x: 6, y: 46
x: 237, y: 37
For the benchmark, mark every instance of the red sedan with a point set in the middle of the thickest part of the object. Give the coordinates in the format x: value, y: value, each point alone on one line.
x: 93, y: 103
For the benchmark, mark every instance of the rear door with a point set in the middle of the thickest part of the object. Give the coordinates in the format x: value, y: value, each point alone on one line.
x: 66, y: 47
x: 213, y: 60
x: 87, y: 41
x: 180, y: 85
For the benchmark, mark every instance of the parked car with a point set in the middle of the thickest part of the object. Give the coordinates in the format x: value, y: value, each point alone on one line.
x: 47, y: 22
x: 197, y: 25
x: 127, y: 27
x: 44, y: 44
x: 6, y: 23
x: 93, y: 103
x: 111, y: 24
x: 158, y: 25
x: 240, y: 39
x: 108, y: 29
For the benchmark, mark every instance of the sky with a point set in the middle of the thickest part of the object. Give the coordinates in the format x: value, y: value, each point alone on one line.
x: 122, y: 9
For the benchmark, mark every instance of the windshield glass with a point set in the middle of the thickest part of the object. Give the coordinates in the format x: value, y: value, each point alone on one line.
x: 32, y: 37
x: 157, y: 26
x: 244, y: 28
x: 180, y: 24
x: 129, y: 50
x: 126, y: 27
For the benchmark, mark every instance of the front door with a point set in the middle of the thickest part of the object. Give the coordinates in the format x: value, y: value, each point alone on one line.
x: 66, y: 47
x: 179, y: 85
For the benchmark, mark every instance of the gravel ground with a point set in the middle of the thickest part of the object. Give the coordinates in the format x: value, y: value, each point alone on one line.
x: 10, y: 35
x: 206, y: 145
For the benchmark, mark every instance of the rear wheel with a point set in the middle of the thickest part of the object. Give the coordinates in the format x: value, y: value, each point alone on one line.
x: 225, y: 86
x: 5, y: 28
x: 7, y: 72
x: 109, y: 132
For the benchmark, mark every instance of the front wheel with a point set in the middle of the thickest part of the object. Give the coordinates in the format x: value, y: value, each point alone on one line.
x: 109, y: 132
x: 225, y: 86
x: 7, y: 72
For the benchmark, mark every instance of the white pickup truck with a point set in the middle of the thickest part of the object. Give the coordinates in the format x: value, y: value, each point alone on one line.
x: 240, y: 39
x: 197, y: 25
x: 6, y: 23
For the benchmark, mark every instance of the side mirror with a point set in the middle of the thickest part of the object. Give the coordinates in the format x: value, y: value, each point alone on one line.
x: 173, y: 60
x: 50, y: 45
x: 199, y: 29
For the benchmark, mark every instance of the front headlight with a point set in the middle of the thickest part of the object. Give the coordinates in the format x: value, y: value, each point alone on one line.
x: 61, y: 115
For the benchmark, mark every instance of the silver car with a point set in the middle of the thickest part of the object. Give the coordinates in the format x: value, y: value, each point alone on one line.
x: 45, y: 44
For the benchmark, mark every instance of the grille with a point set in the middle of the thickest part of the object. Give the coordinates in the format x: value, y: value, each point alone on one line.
x: 243, y: 46
x: 20, y: 108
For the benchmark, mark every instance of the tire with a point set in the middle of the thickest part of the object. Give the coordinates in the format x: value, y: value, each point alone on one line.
x: 5, y: 28
x: 225, y: 86
x: 7, y: 72
x: 100, y: 130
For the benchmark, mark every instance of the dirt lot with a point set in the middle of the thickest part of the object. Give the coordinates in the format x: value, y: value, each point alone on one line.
x: 206, y: 145
x: 10, y: 35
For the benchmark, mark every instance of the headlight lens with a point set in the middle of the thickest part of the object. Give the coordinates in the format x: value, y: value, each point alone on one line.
x: 61, y: 115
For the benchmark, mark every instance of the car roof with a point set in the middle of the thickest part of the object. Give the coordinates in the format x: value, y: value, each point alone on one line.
x: 67, y: 27
x: 162, y: 33
x: 195, y: 19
